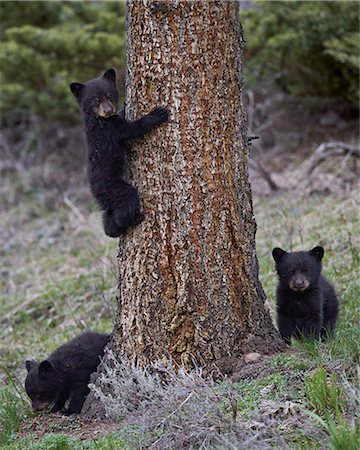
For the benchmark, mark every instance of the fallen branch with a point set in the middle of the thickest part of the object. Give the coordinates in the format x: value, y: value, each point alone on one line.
x: 328, y: 150
x: 258, y: 167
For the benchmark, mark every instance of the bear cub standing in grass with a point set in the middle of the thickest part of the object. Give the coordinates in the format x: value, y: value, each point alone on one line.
x: 108, y: 134
x: 306, y: 302
x: 65, y: 374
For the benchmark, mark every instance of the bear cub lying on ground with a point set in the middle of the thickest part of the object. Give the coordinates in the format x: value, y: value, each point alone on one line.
x: 306, y: 302
x: 108, y: 134
x: 65, y: 374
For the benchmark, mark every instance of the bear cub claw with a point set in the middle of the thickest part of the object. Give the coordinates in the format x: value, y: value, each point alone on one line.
x: 162, y: 113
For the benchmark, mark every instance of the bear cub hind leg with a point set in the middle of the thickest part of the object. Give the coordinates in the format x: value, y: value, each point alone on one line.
x: 124, y: 211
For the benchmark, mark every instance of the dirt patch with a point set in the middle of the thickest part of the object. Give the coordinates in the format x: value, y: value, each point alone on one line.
x: 248, y: 368
x: 74, y: 426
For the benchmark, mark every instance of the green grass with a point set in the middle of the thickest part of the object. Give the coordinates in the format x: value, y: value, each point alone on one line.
x: 64, y: 442
x: 295, y: 224
x: 59, y: 277
x: 251, y: 391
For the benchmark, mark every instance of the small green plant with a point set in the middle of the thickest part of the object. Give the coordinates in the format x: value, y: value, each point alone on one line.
x: 342, y: 435
x: 323, y: 393
x: 328, y: 405
x: 13, y: 409
x: 249, y: 392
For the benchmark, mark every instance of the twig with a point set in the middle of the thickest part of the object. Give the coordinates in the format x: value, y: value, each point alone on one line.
x: 233, y: 404
x: 73, y: 208
x: 176, y: 410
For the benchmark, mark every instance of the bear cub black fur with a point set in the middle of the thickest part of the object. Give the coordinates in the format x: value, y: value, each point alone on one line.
x: 65, y: 374
x: 306, y: 302
x: 108, y: 135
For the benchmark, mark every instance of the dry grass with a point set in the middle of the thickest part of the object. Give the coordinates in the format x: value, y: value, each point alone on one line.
x: 186, y: 410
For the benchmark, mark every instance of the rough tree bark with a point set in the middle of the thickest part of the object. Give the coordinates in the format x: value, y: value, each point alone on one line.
x: 189, y: 287
x: 188, y: 275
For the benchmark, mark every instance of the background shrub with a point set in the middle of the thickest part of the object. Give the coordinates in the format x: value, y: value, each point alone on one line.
x: 47, y: 45
x: 313, y: 47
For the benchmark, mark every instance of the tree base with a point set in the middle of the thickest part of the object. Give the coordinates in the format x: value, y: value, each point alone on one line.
x: 258, y: 348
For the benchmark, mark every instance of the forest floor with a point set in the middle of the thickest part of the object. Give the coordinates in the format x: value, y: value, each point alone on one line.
x: 59, y: 276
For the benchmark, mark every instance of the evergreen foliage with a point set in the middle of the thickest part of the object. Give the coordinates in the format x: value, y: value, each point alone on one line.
x: 47, y: 45
x: 314, y: 46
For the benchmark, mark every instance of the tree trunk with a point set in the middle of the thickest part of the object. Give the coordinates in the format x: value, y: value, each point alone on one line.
x: 189, y: 288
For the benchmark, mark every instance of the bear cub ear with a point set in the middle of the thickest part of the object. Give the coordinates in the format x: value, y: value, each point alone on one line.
x: 317, y: 252
x: 110, y: 74
x: 45, y: 367
x: 76, y: 88
x: 29, y: 365
x: 278, y: 253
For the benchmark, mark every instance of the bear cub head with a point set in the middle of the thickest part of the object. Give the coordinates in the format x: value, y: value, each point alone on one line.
x: 298, y: 271
x: 98, y: 97
x: 42, y: 384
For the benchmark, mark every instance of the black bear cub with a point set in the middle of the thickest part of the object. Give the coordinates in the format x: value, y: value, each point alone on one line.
x: 108, y: 135
x: 65, y: 374
x: 306, y: 302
